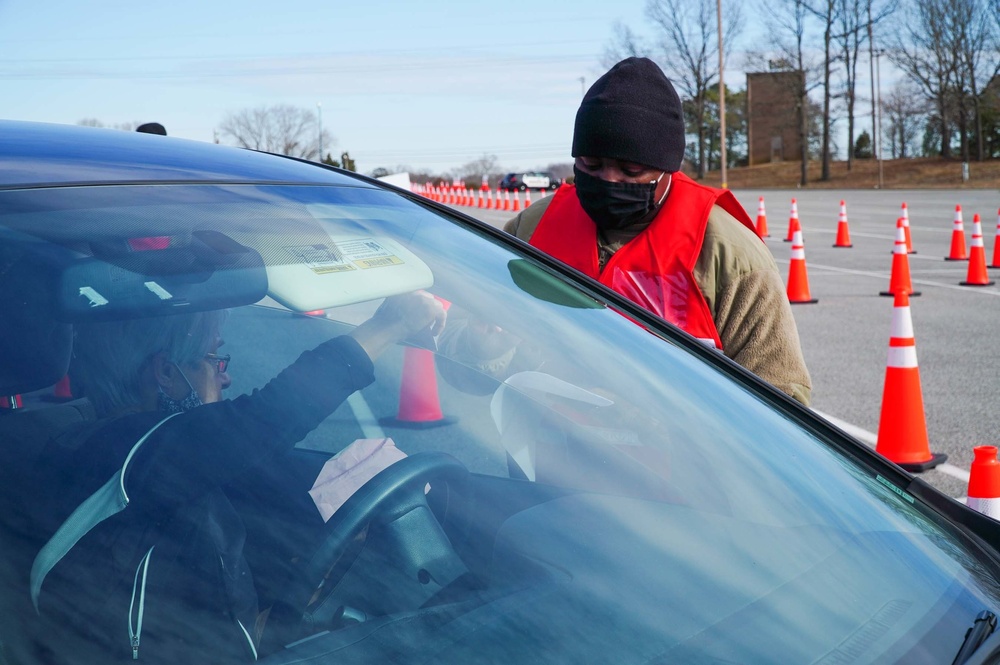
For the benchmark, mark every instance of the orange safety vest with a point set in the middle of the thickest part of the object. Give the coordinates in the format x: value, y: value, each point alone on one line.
x: 654, y: 269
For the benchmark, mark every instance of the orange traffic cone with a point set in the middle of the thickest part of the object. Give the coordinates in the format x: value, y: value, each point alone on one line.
x: 798, y: 279
x: 489, y: 199
x: 419, y: 406
x: 902, y: 427
x: 515, y: 202
x: 996, y: 245
x: 957, y: 238
x: 793, y: 221
x: 482, y: 200
x: 542, y: 194
x: 843, y: 233
x: 506, y: 200
x: 906, y: 227
x: 984, y: 482
x: 527, y: 198
x: 762, y: 219
x: 899, y: 279
x: 977, y: 258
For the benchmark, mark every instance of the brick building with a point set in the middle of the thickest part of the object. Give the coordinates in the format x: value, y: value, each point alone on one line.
x: 772, y: 110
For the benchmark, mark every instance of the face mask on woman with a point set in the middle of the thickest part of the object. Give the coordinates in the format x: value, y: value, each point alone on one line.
x: 618, y: 205
x: 168, y: 404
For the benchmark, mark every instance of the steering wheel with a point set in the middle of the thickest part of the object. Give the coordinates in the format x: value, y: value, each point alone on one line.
x: 393, y: 493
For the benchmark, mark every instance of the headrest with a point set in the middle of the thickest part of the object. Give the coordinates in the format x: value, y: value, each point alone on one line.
x: 34, y: 348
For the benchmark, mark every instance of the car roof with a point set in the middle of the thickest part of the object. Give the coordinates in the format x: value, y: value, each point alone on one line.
x: 36, y: 154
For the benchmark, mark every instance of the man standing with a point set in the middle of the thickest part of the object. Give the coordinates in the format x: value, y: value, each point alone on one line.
x: 682, y: 250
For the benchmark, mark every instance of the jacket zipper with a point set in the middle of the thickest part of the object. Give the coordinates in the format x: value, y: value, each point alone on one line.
x: 139, y: 588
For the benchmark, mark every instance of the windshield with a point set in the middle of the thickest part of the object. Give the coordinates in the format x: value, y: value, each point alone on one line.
x: 588, y: 490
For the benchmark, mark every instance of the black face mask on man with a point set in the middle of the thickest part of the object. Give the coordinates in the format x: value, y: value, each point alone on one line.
x: 617, y: 205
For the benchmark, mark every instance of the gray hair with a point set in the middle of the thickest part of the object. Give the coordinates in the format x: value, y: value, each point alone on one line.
x: 109, y: 356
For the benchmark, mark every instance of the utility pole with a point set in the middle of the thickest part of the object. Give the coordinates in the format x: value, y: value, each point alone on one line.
x: 871, y: 64
x: 722, y: 100
x: 319, y: 113
x: 878, y: 135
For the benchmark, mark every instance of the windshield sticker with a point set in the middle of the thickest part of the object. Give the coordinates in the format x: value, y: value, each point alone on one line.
x: 895, y: 489
x: 158, y: 290
x: 321, y: 259
x: 95, y: 298
x: 368, y: 253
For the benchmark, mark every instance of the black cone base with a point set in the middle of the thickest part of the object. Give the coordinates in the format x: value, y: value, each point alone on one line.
x: 918, y: 467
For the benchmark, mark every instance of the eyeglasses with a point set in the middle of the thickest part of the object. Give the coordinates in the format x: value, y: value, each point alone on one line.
x: 221, y: 362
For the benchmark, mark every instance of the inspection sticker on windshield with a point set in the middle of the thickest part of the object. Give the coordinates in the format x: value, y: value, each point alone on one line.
x: 893, y: 488
x: 321, y: 258
x: 368, y: 253
x: 345, y: 255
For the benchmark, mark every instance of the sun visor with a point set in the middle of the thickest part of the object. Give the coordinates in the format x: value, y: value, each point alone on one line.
x: 206, y: 270
x: 308, y: 269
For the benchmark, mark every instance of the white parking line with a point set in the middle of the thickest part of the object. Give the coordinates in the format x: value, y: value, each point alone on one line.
x: 871, y: 439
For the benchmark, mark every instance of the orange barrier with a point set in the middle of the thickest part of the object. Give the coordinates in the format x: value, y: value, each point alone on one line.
x: 957, y: 238
x: 793, y: 221
x: 798, y: 279
x: 899, y: 279
x: 984, y: 482
x: 843, y: 233
x: 762, y: 219
x: 902, y: 427
x: 976, y: 275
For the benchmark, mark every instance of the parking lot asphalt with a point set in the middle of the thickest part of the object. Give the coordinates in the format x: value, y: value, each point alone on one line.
x: 845, y: 335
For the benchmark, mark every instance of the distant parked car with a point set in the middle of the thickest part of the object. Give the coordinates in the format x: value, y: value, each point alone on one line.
x: 529, y: 180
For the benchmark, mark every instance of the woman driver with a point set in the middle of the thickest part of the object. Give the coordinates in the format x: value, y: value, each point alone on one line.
x: 166, y: 579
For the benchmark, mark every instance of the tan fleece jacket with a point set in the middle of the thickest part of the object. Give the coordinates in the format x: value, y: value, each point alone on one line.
x: 744, y: 291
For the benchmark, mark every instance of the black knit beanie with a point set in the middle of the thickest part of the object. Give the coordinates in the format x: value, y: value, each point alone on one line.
x: 632, y: 113
x: 152, y: 128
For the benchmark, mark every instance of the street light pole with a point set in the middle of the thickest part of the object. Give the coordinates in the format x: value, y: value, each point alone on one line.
x: 582, y: 91
x: 871, y: 65
x: 722, y: 100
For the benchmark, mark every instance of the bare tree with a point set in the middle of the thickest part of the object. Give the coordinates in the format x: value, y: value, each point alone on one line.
x: 857, y: 18
x: 471, y: 172
x: 123, y: 126
x: 979, y: 63
x: 281, y: 128
x: 924, y: 48
x: 690, y: 44
x: 625, y: 44
x: 788, y: 21
x: 905, y: 111
x: 827, y: 11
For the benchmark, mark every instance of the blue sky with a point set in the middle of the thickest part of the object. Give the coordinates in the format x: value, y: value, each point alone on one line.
x: 425, y: 84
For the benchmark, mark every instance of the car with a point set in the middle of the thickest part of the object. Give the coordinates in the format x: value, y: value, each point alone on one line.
x: 529, y: 180
x: 532, y: 469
